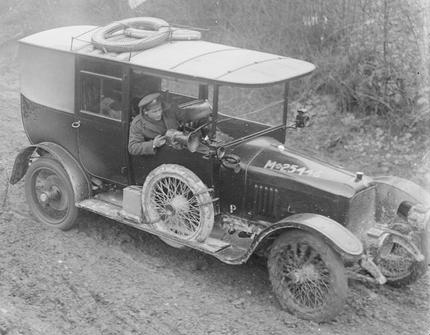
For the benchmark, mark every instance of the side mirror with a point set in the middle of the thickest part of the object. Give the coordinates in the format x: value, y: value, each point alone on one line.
x: 302, y: 119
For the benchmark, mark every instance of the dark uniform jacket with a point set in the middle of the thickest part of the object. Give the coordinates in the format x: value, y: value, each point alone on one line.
x: 144, y: 129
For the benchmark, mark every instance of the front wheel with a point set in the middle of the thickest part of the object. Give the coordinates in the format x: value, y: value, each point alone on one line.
x: 49, y: 194
x: 307, y: 276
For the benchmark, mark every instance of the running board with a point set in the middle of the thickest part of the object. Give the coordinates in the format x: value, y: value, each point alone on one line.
x: 115, y: 212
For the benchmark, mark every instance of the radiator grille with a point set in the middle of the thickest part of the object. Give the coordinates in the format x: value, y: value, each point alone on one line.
x: 265, y: 200
x: 361, y: 214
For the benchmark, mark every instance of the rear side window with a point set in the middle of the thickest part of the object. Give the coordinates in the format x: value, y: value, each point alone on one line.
x: 101, y: 94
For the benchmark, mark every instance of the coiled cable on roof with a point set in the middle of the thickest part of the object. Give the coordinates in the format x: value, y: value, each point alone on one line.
x: 138, y: 33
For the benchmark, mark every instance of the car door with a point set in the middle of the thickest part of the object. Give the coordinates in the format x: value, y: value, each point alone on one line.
x: 102, y: 115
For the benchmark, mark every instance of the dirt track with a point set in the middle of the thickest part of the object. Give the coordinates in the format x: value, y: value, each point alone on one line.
x: 102, y: 278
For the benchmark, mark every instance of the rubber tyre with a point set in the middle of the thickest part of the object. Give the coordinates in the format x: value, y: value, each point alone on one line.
x: 175, y: 205
x: 416, y: 269
x: 160, y: 28
x: 59, y: 179
x: 283, y: 277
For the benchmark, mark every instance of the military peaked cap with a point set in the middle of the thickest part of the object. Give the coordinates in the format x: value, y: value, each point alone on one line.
x: 147, y: 99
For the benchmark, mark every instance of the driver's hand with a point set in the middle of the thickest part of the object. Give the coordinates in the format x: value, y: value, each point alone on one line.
x: 172, y: 133
x: 158, y: 141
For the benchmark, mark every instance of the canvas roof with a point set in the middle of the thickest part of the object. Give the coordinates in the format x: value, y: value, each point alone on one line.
x: 200, y: 60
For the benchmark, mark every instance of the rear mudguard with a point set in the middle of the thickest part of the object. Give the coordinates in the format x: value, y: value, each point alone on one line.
x: 79, y: 180
x: 336, y: 235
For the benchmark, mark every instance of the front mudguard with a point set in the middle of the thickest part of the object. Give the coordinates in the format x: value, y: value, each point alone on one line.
x: 79, y: 180
x: 398, y: 196
x: 337, y: 236
x: 392, y: 191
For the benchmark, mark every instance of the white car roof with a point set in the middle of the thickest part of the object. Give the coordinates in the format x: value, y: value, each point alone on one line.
x: 200, y: 60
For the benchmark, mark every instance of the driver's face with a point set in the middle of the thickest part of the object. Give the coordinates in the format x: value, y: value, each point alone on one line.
x: 155, y: 111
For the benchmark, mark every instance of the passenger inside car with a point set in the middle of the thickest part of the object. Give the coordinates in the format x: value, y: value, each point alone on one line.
x: 111, y: 108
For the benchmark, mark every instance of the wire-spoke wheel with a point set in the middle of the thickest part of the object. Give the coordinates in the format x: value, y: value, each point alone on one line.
x: 399, y: 266
x: 50, y: 194
x: 307, y: 276
x: 176, y: 201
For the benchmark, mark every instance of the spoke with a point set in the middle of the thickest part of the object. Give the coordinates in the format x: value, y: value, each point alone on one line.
x: 304, y: 274
x: 172, y: 186
x: 311, y: 256
x: 162, y: 184
x: 194, y: 206
x: 184, y: 190
x: 186, y: 223
x: 301, y: 251
x: 160, y: 190
x: 167, y: 187
x: 294, y: 254
x: 160, y: 199
x: 194, y: 215
x: 186, y: 217
x: 160, y: 210
x: 323, y: 285
x: 304, y: 294
x: 323, y: 291
x: 176, y: 186
x: 397, y: 263
x: 193, y: 223
x: 310, y: 296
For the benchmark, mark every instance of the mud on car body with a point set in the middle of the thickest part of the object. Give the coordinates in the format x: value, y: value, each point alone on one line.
x: 229, y: 189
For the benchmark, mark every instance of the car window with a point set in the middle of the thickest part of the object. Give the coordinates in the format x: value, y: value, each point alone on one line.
x: 181, y: 91
x: 142, y: 84
x: 101, y: 95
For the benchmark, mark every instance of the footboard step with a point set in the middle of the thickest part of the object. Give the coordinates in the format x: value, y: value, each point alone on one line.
x: 212, y: 245
x: 101, y: 207
x: 112, y: 211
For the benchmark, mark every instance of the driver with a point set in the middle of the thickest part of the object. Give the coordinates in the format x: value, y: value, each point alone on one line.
x: 147, y: 129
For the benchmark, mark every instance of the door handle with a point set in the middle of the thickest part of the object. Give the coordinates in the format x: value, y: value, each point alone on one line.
x: 76, y: 124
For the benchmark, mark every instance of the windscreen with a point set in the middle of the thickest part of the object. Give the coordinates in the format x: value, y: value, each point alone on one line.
x: 263, y: 105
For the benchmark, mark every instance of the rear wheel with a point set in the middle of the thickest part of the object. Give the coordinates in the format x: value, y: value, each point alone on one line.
x: 307, y: 276
x: 50, y: 194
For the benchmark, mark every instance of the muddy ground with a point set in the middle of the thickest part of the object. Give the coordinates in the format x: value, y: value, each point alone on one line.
x: 103, y: 278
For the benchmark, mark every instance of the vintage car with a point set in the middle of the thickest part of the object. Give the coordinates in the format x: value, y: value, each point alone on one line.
x: 229, y: 188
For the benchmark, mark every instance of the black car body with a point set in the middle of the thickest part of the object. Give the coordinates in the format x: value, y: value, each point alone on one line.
x: 250, y: 192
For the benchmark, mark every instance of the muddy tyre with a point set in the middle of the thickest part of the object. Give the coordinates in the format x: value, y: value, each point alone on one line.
x: 177, y: 202
x: 307, y: 276
x: 50, y: 195
x: 399, y: 267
